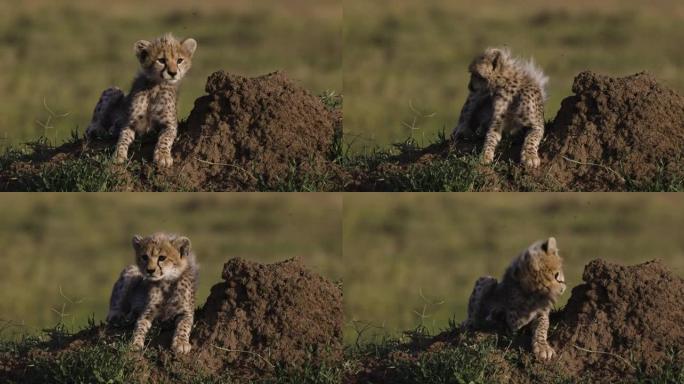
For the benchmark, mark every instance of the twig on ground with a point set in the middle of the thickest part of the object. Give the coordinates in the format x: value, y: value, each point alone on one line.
x: 47, y: 124
x: 606, y: 353
x: 241, y: 351
x: 596, y: 165
x: 227, y: 165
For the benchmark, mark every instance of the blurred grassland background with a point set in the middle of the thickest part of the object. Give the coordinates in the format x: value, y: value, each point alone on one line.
x: 79, y: 243
x: 65, y: 53
x: 405, y: 61
x: 406, y: 252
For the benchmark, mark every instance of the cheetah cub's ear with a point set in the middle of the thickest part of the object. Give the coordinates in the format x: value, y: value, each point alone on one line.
x: 190, y: 45
x: 141, y: 48
x: 537, y: 252
x: 137, y: 242
x: 550, y: 247
x: 496, y: 59
x: 182, y: 244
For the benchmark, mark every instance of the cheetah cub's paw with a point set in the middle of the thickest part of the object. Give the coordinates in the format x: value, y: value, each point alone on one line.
x: 181, y: 346
x: 137, y: 345
x: 530, y: 161
x: 119, y: 159
x: 163, y: 159
x: 543, y: 351
x: 487, y: 158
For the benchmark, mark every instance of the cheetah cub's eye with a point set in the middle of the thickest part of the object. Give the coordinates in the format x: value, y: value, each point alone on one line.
x: 180, y: 60
x: 162, y: 258
x: 161, y: 60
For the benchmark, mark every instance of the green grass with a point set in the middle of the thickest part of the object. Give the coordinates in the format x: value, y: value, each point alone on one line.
x: 112, y: 362
x: 476, y: 360
x: 60, y: 55
x: 92, y: 172
x: 405, y: 66
x: 413, y: 258
x: 452, y: 172
x: 66, y: 250
x: 471, y: 359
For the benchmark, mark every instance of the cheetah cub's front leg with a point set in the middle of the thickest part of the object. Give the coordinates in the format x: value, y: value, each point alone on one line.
x: 540, y: 346
x: 164, y: 115
x: 181, y: 339
x: 144, y: 323
x: 136, y: 123
x: 530, y: 149
x: 495, y: 130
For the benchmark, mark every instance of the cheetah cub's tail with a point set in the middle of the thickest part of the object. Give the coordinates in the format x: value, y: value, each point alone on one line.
x: 532, y: 70
x: 528, y: 67
x: 537, y: 75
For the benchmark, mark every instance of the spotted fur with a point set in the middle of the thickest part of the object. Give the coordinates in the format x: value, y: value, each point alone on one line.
x: 530, y: 287
x: 505, y: 93
x: 151, y: 103
x: 160, y: 285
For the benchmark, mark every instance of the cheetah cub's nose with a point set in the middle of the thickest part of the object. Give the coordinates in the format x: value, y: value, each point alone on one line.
x: 150, y: 271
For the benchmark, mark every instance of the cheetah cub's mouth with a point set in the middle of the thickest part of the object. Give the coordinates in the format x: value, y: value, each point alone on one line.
x: 154, y: 278
x: 560, y: 279
x: 170, y: 79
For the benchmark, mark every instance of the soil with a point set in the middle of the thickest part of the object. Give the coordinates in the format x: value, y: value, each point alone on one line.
x: 251, y: 130
x: 261, y: 320
x: 628, y: 317
x: 244, y: 134
x: 622, y: 321
x: 612, y: 134
x: 262, y: 316
x: 629, y: 128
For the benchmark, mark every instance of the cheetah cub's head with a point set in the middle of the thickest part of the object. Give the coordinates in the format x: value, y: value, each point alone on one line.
x: 162, y: 256
x: 485, y: 67
x: 165, y: 60
x: 539, y: 269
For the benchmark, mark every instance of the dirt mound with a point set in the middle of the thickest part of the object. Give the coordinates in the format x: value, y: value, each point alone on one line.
x: 267, y: 315
x: 251, y: 130
x: 622, y: 319
x: 613, y: 131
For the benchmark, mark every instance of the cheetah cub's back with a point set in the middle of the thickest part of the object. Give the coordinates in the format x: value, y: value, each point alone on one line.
x: 530, y: 287
x: 160, y: 285
x: 505, y: 93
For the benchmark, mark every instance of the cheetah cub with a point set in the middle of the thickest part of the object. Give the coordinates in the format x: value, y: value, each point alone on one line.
x: 505, y: 93
x: 530, y: 287
x: 161, y: 285
x: 151, y: 103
